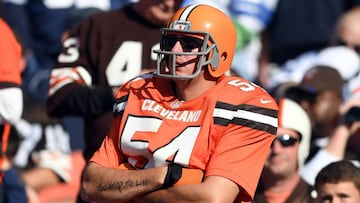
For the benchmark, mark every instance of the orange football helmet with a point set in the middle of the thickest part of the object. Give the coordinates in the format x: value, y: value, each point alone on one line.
x: 217, y: 45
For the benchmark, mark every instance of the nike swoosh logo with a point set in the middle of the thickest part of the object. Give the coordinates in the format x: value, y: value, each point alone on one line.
x: 265, y: 101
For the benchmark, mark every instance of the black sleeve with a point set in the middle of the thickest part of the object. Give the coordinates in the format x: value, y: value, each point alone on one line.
x: 83, y: 101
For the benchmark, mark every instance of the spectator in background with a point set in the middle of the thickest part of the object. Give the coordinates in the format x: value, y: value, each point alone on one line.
x: 347, y: 30
x: 291, y: 33
x: 12, y: 62
x: 45, y: 150
x: 321, y: 99
x: 12, y: 189
x: 85, y: 76
x: 75, y: 18
x: 341, y: 53
x: 338, y: 182
x: 40, y: 24
x: 280, y: 181
x: 343, y: 142
x: 320, y: 93
x: 348, y: 34
x: 344, y: 59
x: 353, y: 100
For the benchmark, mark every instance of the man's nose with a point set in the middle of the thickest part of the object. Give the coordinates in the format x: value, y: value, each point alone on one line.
x: 177, y: 47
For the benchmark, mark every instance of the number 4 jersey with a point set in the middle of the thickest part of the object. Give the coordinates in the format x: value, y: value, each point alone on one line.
x: 227, y: 131
x: 105, y: 51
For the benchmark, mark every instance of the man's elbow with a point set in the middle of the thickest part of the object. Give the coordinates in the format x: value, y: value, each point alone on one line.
x: 88, y: 189
x: 85, y: 192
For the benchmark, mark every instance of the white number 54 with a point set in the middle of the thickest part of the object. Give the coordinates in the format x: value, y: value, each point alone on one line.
x: 181, y: 145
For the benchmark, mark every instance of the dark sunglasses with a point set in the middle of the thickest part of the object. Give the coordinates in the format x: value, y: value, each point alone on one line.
x: 286, y: 140
x: 187, y: 43
x: 353, y: 46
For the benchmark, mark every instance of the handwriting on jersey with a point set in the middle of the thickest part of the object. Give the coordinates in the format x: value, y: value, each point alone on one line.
x: 184, y: 116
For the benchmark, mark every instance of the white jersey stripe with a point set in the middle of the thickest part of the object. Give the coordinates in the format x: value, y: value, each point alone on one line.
x: 230, y: 115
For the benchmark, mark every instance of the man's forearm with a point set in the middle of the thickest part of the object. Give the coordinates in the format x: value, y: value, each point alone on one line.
x: 112, y: 185
x: 214, y: 189
x: 81, y: 101
x: 182, y: 193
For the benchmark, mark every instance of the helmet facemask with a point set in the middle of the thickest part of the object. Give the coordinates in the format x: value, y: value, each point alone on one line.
x: 208, y: 54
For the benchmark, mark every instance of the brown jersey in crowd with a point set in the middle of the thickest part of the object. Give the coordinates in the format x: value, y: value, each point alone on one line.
x: 106, y: 50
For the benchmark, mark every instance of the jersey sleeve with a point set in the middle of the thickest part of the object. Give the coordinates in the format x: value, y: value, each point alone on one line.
x: 11, y: 102
x: 10, y: 55
x: 240, y: 154
x: 109, y: 154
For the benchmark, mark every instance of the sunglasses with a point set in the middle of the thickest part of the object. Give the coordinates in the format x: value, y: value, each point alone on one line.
x: 187, y: 43
x: 286, y: 140
x: 353, y: 46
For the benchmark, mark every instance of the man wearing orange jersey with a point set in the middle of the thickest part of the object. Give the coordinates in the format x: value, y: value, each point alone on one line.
x: 10, y: 75
x: 11, y: 188
x: 191, y: 133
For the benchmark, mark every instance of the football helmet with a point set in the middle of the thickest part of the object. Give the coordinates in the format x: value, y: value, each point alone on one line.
x: 197, y: 26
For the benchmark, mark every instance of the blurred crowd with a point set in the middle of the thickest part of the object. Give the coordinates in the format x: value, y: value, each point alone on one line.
x: 305, y: 53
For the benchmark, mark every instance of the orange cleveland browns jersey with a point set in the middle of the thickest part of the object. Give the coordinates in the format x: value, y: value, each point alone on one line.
x: 10, y: 57
x: 227, y: 131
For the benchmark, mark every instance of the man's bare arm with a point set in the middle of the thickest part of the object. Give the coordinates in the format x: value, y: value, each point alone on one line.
x: 112, y: 185
x: 214, y: 189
